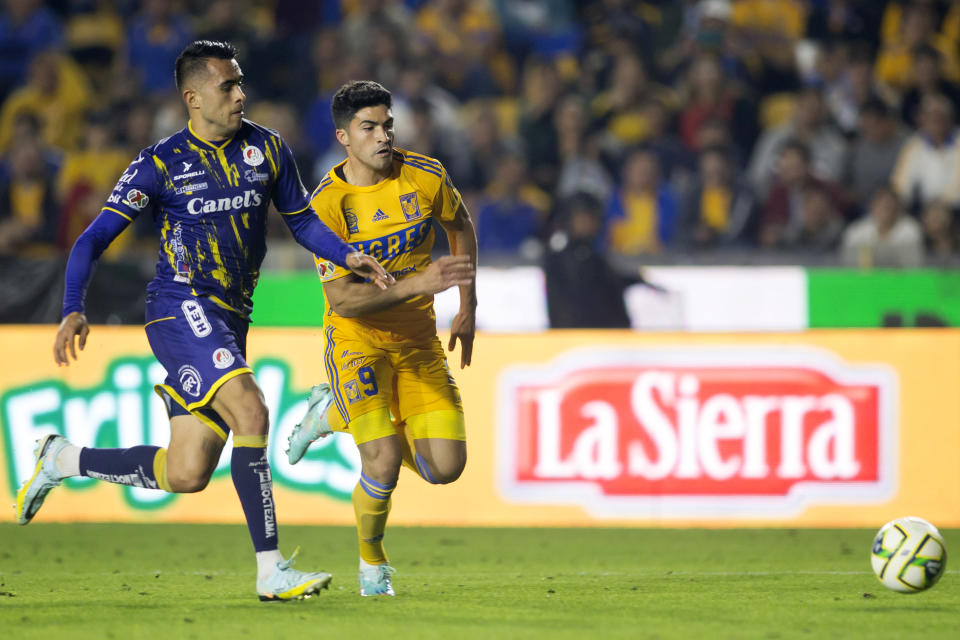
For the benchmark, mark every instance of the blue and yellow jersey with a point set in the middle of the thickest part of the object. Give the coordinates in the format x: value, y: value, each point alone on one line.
x: 391, y: 221
x: 209, y: 203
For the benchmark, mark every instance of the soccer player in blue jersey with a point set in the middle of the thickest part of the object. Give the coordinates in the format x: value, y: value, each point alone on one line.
x: 208, y: 188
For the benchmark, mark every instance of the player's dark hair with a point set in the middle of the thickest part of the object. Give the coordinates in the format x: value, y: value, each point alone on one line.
x: 356, y: 95
x: 194, y: 58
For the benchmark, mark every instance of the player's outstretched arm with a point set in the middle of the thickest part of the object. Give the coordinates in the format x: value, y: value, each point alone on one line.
x: 463, y: 243
x: 349, y: 297
x: 73, y: 326
x: 310, y: 232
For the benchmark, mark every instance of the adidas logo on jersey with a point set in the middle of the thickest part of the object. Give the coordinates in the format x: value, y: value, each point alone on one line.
x: 379, y: 216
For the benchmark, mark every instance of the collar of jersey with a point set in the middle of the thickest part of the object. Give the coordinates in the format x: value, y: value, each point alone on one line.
x: 340, y: 181
x: 207, y: 142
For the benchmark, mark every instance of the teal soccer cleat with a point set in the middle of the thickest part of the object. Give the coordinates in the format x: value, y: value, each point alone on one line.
x: 375, y: 579
x: 313, y: 426
x: 287, y: 583
x: 45, y: 477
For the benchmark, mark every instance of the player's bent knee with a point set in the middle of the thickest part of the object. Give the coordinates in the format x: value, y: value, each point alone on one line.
x: 446, y: 472
x: 187, y: 482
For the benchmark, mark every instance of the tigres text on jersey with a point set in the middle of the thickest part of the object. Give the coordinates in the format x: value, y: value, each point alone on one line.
x: 391, y: 221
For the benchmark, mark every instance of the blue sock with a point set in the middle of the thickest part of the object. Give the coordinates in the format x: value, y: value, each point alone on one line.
x: 134, y: 467
x: 254, y: 484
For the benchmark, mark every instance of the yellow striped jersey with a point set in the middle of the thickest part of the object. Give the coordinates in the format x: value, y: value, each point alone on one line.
x: 391, y: 221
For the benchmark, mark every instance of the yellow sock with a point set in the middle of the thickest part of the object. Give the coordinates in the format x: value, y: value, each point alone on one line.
x: 371, y: 504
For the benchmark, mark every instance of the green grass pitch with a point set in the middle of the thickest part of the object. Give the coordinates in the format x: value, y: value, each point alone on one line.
x: 196, y: 581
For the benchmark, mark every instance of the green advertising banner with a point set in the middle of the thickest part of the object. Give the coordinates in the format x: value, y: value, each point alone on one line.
x: 288, y: 299
x: 883, y: 298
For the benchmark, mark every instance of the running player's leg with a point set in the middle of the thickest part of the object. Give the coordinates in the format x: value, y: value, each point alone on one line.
x: 430, y: 407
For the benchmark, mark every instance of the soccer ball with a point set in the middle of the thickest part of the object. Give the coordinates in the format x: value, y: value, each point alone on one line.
x: 908, y: 555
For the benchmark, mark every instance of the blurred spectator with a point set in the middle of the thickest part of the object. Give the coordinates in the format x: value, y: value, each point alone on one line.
x: 544, y: 27
x: 421, y: 133
x: 97, y: 163
x: 926, y: 77
x: 464, y: 39
x: 846, y: 96
x: 582, y: 290
x: 782, y: 217
x: 619, y: 109
x: 642, y: 214
x: 511, y: 210
x: 26, y: 28
x: 95, y: 39
x: 541, y: 92
x: 848, y: 20
x: 154, y: 40
x: 766, y: 33
x: 810, y: 126
x: 718, y: 206
x: 712, y: 96
x: 417, y: 83
x: 885, y: 237
x: 939, y: 231
x: 917, y: 28
x: 57, y: 94
x: 369, y: 19
x: 703, y: 30
x: 874, y: 153
x: 929, y: 162
x: 28, y: 209
x: 578, y: 152
x: 486, y: 142
x: 676, y: 161
x: 614, y: 27
x: 821, y: 224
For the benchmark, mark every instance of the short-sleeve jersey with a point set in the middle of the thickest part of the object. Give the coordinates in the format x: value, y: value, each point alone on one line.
x: 391, y: 221
x: 209, y: 203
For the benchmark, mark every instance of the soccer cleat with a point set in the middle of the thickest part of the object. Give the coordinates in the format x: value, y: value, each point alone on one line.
x: 45, y: 477
x: 313, y: 426
x: 374, y: 579
x: 287, y: 583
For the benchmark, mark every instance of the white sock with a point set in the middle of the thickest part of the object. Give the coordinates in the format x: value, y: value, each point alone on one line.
x: 267, y: 563
x: 68, y: 461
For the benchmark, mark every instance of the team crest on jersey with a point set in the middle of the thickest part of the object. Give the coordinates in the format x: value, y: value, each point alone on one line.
x: 350, y: 217
x: 379, y: 216
x: 190, y: 380
x: 137, y: 199
x: 253, y: 156
x: 222, y: 358
x: 410, y: 206
x: 326, y: 269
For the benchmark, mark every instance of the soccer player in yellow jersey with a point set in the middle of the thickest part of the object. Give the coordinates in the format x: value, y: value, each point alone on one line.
x: 389, y: 385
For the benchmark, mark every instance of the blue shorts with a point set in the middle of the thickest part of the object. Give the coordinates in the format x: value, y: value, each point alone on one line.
x: 201, y: 345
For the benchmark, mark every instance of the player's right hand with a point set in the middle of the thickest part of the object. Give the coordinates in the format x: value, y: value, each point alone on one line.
x: 74, y: 325
x: 446, y: 272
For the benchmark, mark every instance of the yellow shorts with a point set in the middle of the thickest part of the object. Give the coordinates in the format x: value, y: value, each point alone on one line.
x: 402, y: 379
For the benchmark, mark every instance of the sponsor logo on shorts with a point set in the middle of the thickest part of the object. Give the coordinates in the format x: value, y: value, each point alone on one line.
x: 137, y: 199
x: 190, y: 188
x: 353, y: 364
x: 253, y: 156
x: 326, y: 270
x: 353, y: 391
x: 222, y: 358
x: 252, y: 175
x: 190, y: 380
x: 196, y: 318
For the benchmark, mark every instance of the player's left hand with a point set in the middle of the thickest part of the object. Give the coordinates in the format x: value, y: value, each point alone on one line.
x: 462, y: 328
x: 369, y: 269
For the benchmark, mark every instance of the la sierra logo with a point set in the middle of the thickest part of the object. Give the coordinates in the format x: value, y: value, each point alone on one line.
x: 745, y: 432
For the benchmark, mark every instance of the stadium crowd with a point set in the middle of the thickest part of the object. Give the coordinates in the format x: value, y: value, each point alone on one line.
x: 654, y: 131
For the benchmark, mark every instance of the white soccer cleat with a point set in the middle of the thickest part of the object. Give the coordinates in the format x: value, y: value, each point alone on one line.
x: 374, y: 579
x: 287, y: 583
x: 45, y: 477
x: 315, y: 423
